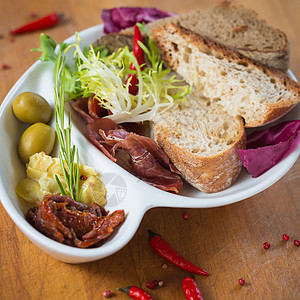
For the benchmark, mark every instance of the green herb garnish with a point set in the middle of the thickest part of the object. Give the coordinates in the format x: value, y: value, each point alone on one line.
x: 68, y: 152
x: 48, y: 49
x: 48, y: 53
x: 105, y: 76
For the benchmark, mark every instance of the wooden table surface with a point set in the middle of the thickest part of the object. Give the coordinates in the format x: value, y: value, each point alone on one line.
x: 227, y: 241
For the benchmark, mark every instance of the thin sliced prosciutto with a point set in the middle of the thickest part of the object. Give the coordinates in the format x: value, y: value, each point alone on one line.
x: 88, y: 109
x: 146, y: 160
x: 149, y: 162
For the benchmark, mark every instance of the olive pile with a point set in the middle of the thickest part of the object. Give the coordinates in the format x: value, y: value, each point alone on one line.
x: 33, y: 109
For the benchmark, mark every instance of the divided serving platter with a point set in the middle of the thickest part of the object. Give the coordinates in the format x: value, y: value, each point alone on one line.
x: 124, y: 190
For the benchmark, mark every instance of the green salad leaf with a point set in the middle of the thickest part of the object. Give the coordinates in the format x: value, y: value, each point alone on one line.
x: 104, y: 75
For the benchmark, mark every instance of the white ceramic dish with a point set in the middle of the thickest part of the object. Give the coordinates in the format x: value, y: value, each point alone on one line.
x: 124, y: 190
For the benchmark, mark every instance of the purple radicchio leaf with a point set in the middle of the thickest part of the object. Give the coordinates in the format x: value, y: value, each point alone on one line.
x: 119, y: 18
x: 265, y: 148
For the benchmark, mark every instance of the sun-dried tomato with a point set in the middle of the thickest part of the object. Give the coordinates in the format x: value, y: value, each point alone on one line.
x: 73, y: 223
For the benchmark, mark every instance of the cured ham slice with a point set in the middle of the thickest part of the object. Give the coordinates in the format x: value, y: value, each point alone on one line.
x: 147, y: 160
x: 80, y: 106
x: 93, y: 129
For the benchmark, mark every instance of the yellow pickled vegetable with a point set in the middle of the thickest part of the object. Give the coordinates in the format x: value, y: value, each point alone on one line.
x: 40, y: 181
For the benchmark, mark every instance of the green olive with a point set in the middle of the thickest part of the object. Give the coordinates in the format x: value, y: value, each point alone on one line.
x: 30, y: 108
x: 36, y: 138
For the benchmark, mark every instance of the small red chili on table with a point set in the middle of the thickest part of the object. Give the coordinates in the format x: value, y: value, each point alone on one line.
x: 165, y: 250
x: 136, y: 293
x: 42, y: 23
x: 190, y: 289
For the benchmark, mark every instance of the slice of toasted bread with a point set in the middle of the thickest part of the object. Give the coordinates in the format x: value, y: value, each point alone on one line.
x: 244, y: 87
x: 238, y: 28
x: 201, y: 139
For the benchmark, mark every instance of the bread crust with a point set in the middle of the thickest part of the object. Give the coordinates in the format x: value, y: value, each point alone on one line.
x: 276, y: 58
x: 209, y: 174
x: 274, y: 110
x: 217, y: 172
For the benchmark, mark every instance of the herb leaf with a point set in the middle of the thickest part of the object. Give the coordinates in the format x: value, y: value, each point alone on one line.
x: 68, y: 152
x: 48, y: 53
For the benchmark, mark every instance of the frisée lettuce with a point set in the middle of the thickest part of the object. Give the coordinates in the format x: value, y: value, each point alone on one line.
x: 104, y: 75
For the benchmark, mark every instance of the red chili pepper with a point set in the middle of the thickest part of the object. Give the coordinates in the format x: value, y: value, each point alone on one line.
x: 165, y: 250
x: 137, y: 50
x: 136, y: 293
x: 42, y: 23
x: 190, y: 289
x: 140, y: 57
x: 133, y: 87
x: 95, y: 110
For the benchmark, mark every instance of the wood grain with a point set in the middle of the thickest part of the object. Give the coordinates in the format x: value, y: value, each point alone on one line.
x: 227, y: 241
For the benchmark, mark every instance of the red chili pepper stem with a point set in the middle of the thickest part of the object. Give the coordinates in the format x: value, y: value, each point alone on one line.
x: 42, y: 23
x: 165, y: 250
x: 125, y: 289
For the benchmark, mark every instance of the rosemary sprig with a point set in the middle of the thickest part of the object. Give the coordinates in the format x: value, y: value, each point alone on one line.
x: 68, y: 151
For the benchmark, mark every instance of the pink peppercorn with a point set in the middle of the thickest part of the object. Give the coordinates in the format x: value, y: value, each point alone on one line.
x: 150, y: 285
x: 185, y: 215
x: 5, y: 67
x: 161, y: 283
x: 106, y: 293
x: 1, y: 36
x: 285, y: 237
x: 155, y: 282
x: 297, y: 243
x: 164, y: 265
x: 267, y: 245
x: 241, y: 281
x: 33, y: 15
